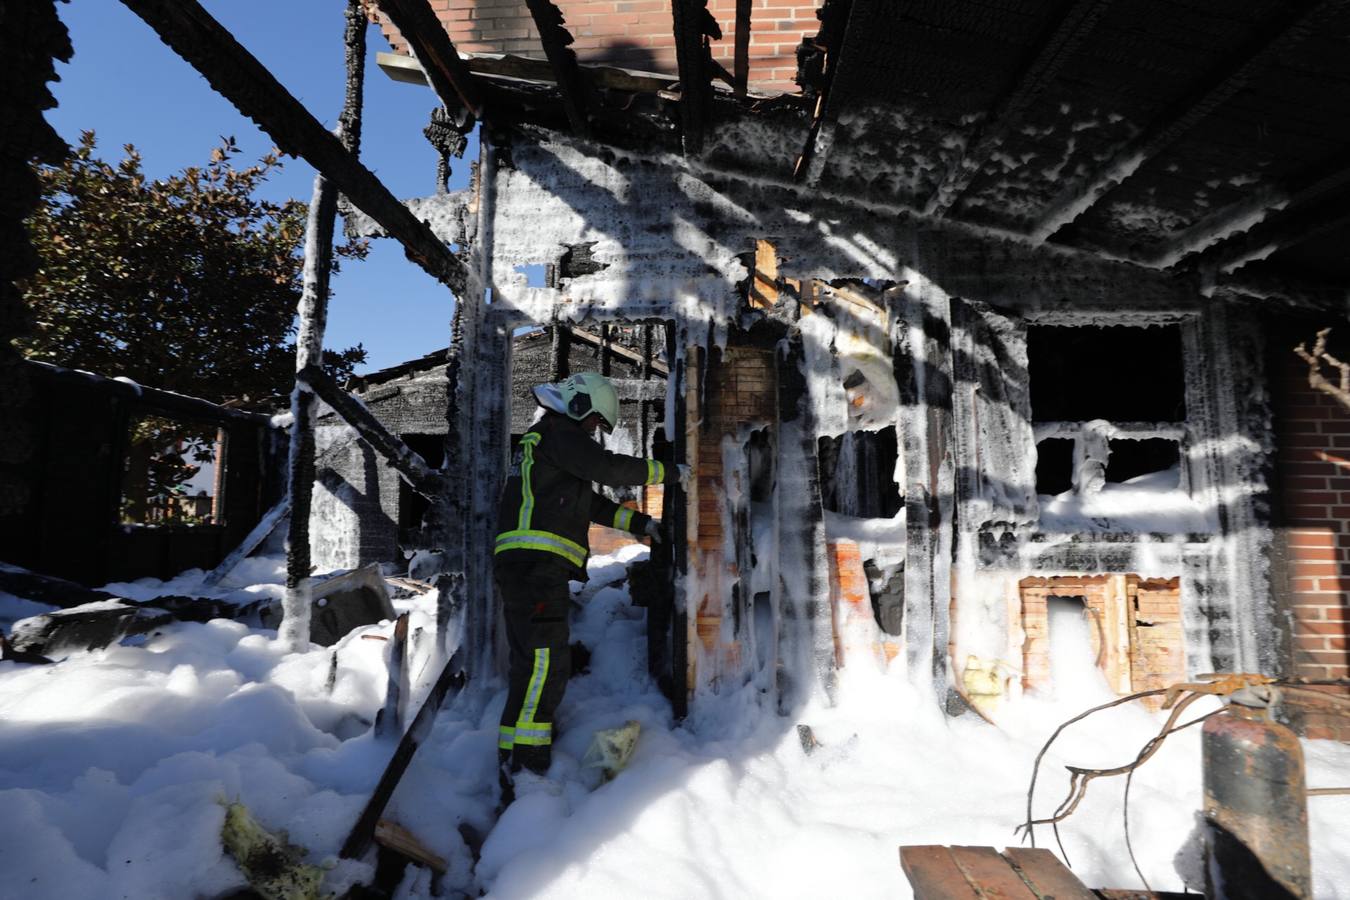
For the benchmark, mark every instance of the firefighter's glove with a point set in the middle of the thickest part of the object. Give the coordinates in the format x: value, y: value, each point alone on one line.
x: 685, y: 476
x: 653, y: 531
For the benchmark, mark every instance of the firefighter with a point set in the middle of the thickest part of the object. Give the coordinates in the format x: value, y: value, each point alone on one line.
x: 546, y: 509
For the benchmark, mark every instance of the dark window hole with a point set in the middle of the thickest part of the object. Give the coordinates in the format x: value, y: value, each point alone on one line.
x: 1117, y: 373
x: 1130, y: 459
x: 1054, y: 466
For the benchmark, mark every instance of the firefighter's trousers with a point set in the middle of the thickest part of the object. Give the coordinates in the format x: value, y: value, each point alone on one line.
x: 535, y: 605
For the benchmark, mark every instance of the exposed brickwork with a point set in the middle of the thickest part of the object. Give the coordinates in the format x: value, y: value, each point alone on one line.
x: 630, y: 34
x: 856, y: 635
x: 1312, y: 434
x: 1136, y: 636
x: 739, y: 389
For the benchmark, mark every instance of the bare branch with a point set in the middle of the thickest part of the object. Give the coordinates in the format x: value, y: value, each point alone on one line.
x: 1315, y: 361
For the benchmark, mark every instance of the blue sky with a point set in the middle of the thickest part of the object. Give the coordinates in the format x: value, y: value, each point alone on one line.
x: 129, y: 88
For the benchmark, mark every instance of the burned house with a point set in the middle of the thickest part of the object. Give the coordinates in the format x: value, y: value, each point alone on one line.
x: 996, y: 312
x: 966, y: 311
x: 364, y: 512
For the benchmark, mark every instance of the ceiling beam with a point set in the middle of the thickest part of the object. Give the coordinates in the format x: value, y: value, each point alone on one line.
x: 1288, y: 228
x: 449, y: 75
x: 557, y: 41
x: 235, y: 74
x: 1303, y: 189
x: 693, y: 25
x: 836, y: 18
x: 1273, y: 39
x: 1054, y: 49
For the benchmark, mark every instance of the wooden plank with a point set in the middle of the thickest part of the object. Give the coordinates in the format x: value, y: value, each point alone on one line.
x: 741, y: 66
x: 390, y: 719
x: 993, y: 876
x: 1047, y: 876
x: 414, y: 469
x: 451, y: 681
x: 934, y: 875
x: 394, y: 836
x: 448, y: 74
x: 557, y: 40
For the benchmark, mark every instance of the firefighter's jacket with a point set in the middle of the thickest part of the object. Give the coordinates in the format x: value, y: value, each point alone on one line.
x: 548, y: 504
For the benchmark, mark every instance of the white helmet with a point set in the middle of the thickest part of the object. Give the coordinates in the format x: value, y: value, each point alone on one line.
x: 579, y: 396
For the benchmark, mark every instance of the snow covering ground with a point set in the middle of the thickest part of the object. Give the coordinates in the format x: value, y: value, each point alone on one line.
x: 114, y: 765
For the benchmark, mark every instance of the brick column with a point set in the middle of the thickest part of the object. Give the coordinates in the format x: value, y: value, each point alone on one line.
x: 1312, y: 435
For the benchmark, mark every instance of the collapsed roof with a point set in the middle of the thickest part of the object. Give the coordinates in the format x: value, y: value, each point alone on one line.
x: 1208, y: 140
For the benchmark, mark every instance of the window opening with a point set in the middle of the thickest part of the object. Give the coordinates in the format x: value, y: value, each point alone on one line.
x: 1154, y: 460
x: 1116, y: 373
x: 171, y: 472
x: 857, y: 473
x: 412, y: 506
x: 1054, y: 466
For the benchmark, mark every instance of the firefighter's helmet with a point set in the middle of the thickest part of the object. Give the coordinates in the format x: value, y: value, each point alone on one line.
x: 580, y: 395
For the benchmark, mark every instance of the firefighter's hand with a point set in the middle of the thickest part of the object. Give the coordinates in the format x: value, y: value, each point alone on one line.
x: 653, y: 531
x: 685, y: 475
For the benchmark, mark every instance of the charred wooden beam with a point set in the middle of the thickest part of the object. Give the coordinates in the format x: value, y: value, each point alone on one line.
x: 449, y: 75
x: 1293, y: 23
x: 557, y: 41
x: 693, y: 25
x: 1278, y: 233
x: 1052, y: 52
x: 741, y: 65
x: 1300, y: 191
x: 836, y: 17
x: 414, y: 469
x: 236, y: 74
x: 312, y: 312
x: 450, y: 681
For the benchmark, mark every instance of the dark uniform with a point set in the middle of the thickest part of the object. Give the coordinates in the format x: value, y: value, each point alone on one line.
x: 546, y: 510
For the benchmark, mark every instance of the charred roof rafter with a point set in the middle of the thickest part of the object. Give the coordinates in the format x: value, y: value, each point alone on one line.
x: 741, y: 64
x: 431, y: 46
x: 693, y: 25
x: 192, y: 33
x: 1293, y: 23
x: 1299, y: 192
x: 1278, y: 232
x: 1052, y: 52
x: 832, y: 39
x: 557, y: 41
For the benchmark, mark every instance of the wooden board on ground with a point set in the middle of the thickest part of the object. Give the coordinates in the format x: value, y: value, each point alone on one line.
x: 393, y: 836
x: 934, y: 875
x: 1046, y: 874
x: 990, y: 874
x: 982, y: 873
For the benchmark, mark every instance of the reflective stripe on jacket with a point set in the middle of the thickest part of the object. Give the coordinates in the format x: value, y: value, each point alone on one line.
x: 548, y: 502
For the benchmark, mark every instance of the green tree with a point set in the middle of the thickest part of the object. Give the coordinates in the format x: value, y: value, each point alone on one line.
x: 189, y: 283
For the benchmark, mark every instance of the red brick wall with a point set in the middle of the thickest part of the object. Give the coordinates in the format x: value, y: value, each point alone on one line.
x: 740, y: 388
x: 1313, y: 443
x: 631, y: 34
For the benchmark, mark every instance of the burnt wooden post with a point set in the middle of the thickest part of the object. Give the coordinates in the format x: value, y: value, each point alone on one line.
x: 313, y: 312
x: 923, y: 371
x: 805, y: 631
